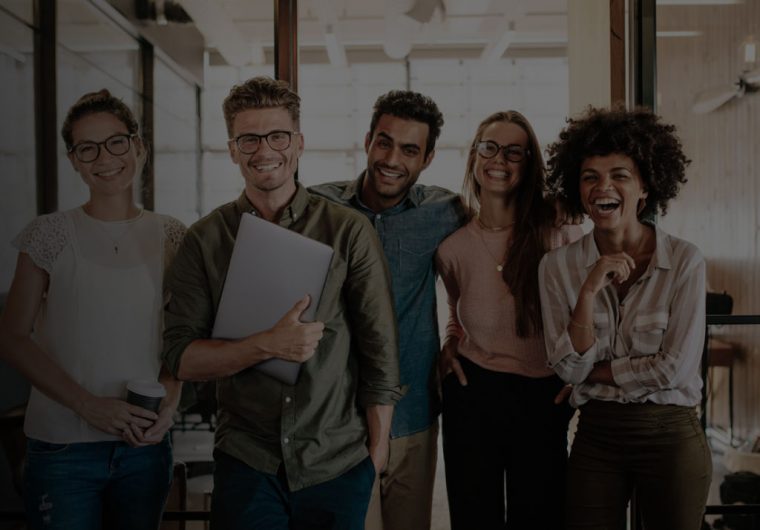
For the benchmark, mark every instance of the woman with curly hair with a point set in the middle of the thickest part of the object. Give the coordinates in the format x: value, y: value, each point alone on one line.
x: 83, y: 317
x: 624, y: 316
x: 504, y: 414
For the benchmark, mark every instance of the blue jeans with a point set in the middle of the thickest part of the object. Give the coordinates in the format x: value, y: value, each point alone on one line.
x: 89, y: 486
x: 246, y: 499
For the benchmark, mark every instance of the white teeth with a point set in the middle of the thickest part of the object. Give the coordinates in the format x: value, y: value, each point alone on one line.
x: 268, y: 167
x: 389, y: 173
x: 109, y: 173
x: 496, y: 174
x: 606, y: 202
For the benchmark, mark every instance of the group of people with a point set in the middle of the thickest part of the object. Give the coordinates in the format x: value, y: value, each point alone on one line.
x: 542, y: 319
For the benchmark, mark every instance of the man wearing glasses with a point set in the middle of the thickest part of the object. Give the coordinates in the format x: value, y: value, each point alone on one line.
x: 411, y: 220
x: 288, y: 457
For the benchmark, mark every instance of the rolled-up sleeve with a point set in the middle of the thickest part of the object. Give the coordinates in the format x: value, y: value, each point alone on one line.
x: 188, y: 314
x: 557, y: 304
x: 373, y: 321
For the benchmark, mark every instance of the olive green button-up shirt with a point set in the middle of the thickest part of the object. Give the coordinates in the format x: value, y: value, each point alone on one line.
x: 315, y: 428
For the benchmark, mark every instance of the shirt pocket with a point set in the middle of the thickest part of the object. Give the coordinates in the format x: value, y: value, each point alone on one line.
x: 602, y: 329
x: 331, y: 301
x: 416, y: 256
x: 648, y: 330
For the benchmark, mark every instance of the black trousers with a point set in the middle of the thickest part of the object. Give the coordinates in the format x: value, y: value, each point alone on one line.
x: 504, y: 429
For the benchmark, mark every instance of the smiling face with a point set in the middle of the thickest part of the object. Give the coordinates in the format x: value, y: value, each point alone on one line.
x: 611, y: 189
x: 498, y: 175
x: 267, y: 171
x: 395, y: 158
x: 108, y: 174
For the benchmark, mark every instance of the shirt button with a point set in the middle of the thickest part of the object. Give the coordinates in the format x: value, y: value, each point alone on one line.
x: 287, y: 399
x: 378, y: 216
x: 286, y: 440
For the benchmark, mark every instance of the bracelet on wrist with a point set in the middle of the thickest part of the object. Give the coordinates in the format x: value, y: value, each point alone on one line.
x: 581, y: 326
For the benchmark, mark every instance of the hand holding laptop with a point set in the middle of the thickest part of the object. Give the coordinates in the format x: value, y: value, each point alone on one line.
x: 271, y: 268
x: 293, y: 340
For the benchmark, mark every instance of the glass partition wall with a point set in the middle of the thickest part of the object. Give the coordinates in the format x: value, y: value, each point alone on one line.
x: 17, y: 140
x: 93, y: 53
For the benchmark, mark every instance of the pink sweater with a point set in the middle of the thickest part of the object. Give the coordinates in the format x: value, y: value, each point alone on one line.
x: 481, y: 307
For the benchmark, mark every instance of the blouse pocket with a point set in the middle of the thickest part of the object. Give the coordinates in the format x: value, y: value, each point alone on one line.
x: 602, y: 330
x: 648, y: 330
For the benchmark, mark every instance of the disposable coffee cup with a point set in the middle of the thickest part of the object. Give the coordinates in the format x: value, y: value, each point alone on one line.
x: 145, y: 394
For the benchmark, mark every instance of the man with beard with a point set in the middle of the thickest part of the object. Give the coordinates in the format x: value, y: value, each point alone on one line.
x: 411, y: 220
x: 288, y: 456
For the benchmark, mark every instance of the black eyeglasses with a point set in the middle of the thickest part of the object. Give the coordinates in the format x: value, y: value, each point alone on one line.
x: 117, y: 145
x: 512, y: 152
x: 250, y: 143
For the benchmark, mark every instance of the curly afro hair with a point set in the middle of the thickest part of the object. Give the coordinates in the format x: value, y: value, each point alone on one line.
x: 638, y: 134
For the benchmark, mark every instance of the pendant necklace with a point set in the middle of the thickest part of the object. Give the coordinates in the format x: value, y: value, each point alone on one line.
x: 115, y: 242
x: 485, y: 228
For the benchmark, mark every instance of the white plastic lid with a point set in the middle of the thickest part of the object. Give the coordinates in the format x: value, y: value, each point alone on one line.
x: 147, y: 388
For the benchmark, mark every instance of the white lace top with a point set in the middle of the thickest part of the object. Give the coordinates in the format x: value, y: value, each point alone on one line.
x: 100, y: 319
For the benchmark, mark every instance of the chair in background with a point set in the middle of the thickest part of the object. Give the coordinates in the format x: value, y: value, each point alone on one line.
x: 718, y: 354
x: 177, y: 499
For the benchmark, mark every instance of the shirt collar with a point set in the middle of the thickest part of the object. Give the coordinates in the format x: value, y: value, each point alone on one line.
x: 293, y: 211
x: 663, y: 252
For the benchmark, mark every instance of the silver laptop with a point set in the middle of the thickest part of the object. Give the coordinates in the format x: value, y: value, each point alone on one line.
x: 271, y: 269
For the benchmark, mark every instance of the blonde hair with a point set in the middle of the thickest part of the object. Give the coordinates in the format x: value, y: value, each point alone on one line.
x: 534, y: 220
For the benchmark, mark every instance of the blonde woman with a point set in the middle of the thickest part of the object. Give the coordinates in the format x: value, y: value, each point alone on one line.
x: 501, y: 425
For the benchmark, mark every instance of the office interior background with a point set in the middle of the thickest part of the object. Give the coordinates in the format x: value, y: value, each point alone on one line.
x: 174, y: 61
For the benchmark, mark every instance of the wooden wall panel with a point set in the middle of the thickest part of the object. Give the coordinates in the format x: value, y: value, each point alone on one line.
x: 719, y: 208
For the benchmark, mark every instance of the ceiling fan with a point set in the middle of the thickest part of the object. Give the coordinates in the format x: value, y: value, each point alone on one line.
x: 712, y: 98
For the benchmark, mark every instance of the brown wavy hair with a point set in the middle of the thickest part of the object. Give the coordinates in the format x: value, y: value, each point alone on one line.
x: 92, y: 103
x: 534, y: 221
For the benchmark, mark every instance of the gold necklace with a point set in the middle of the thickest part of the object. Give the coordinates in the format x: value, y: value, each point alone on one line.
x: 499, y: 265
x: 493, y: 228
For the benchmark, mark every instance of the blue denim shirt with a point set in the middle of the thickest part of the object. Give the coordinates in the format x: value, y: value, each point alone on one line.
x: 410, y: 233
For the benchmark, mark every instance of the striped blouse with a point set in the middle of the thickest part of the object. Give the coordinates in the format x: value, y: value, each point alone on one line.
x: 654, y: 336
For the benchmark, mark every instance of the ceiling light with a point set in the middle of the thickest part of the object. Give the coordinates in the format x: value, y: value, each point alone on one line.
x: 335, y: 50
